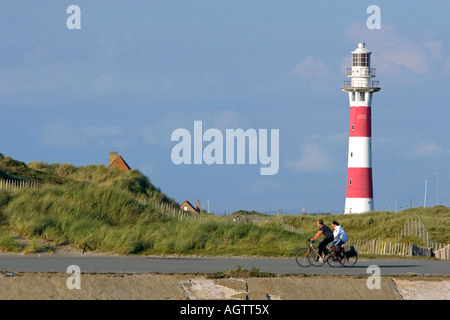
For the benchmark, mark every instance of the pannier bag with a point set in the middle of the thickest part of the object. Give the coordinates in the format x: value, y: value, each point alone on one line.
x: 351, y: 252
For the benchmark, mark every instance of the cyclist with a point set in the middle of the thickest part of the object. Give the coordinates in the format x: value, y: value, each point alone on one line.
x: 328, y: 234
x: 340, y: 237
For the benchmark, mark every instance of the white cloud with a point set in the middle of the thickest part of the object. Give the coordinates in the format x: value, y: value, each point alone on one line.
x: 434, y: 47
x: 426, y: 149
x: 408, y: 56
x: 317, y: 152
x: 159, y: 133
x: 395, y: 52
x: 311, y: 67
x: 314, y: 158
x: 230, y: 119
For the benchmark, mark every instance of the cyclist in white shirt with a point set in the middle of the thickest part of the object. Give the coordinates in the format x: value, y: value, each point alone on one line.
x: 340, y: 237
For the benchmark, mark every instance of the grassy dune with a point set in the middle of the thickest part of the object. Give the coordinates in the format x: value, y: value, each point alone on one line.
x: 98, y: 206
x: 114, y: 221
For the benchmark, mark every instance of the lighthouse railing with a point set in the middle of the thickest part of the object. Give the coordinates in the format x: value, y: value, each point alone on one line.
x: 370, y: 72
x: 360, y: 84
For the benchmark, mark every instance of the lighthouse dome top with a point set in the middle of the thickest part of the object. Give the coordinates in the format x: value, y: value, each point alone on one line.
x: 361, y: 48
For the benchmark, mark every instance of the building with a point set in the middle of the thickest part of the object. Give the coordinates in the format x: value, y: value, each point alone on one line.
x: 360, y: 88
x: 187, y: 206
x: 117, y: 161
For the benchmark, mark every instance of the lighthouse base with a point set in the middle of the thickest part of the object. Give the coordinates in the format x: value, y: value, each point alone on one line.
x: 358, y: 205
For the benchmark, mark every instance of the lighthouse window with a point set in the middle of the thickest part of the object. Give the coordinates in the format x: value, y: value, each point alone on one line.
x: 356, y: 60
x: 353, y: 96
x: 352, y: 127
x: 364, y: 60
x: 361, y: 60
x: 350, y: 182
x: 351, y: 154
x: 362, y: 96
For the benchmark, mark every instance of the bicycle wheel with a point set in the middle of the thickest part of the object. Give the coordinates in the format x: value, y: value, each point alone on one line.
x: 313, y: 259
x: 301, y: 257
x: 349, y: 262
x: 334, y: 262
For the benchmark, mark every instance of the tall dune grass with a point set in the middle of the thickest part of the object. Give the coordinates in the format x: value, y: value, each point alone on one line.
x: 98, y: 206
x: 111, y: 220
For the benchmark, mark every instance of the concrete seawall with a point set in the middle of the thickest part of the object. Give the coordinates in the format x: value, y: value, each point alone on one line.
x: 25, y: 286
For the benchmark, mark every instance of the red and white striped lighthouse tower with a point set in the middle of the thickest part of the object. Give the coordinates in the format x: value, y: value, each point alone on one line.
x: 360, y: 89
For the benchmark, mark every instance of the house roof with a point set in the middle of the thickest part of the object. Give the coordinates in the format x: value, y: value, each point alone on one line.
x: 120, y: 163
x: 189, y: 205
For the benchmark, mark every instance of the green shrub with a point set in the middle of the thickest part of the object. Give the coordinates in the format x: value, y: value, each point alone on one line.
x: 8, y: 243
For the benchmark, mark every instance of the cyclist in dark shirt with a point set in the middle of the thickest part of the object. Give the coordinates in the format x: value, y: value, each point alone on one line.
x: 328, y: 234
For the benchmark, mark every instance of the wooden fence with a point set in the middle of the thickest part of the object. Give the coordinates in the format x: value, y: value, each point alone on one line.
x: 443, y: 253
x: 170, y: 211
x: 374, y: 246
x: 416, y: 227
x: 288, y: 227
x: 261, y: 221
x: 11, y: 185
x: 383, y: 247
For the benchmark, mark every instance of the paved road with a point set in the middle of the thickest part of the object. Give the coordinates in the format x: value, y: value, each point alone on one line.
x: 144, y: 264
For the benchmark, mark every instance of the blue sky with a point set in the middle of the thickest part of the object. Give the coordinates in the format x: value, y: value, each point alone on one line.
x: 138, y: 70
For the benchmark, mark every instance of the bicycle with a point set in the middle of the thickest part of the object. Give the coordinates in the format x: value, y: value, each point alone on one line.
x: 308, y: 256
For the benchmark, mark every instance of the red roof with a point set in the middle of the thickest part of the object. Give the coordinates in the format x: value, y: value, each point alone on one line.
x: 120, y: 163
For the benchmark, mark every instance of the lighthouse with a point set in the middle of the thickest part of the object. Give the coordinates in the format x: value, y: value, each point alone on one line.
x: 360, y: 88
